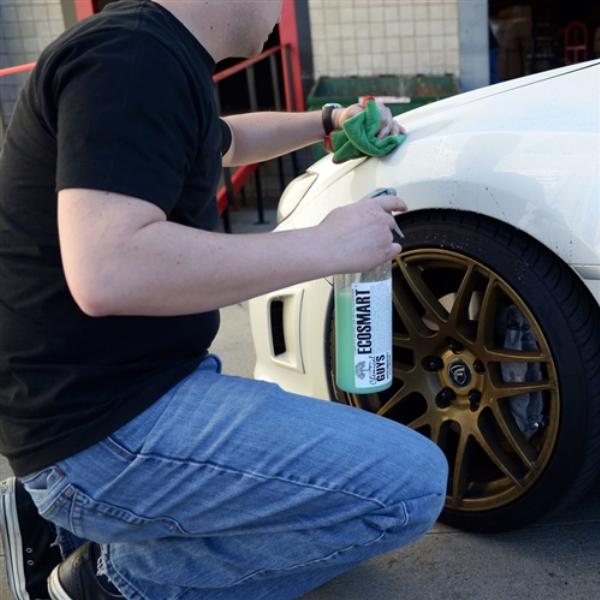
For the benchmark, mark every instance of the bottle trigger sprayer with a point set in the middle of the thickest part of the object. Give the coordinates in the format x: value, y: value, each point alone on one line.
x: 363, y: 325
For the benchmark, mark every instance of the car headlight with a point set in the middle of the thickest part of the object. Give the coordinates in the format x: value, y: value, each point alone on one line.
x: 293, y: 194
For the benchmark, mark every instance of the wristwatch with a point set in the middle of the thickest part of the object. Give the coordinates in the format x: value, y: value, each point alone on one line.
x: 326, y: 114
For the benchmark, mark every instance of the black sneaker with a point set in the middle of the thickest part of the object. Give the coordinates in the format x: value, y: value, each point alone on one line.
x: 27, y: 539
x: 75, y: 578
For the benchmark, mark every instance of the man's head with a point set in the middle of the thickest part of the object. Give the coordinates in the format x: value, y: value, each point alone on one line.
x: 250, y: 23
x: 227, y: 28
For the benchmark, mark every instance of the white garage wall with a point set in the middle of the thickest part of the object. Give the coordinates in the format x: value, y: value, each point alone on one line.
x: 375, y: 37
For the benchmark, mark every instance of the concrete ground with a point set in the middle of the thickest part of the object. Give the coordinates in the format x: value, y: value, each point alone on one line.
x: 555, y: 559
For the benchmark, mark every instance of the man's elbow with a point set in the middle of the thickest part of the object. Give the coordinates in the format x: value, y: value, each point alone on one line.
x: 92, y: 297
x: 92, y: 305
x: 229, y: 159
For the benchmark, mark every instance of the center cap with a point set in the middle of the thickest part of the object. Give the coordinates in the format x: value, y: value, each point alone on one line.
x: 459, y: 373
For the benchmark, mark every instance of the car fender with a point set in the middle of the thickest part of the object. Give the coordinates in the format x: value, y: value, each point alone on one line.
x: 529, y: 157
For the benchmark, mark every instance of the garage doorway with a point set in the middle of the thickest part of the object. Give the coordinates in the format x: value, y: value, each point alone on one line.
x: 538, y: 35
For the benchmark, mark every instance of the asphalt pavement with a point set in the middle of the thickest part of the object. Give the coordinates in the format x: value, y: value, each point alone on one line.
x: 557, y: 558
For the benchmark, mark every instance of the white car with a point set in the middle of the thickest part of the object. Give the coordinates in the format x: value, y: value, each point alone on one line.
x: 500, y: 271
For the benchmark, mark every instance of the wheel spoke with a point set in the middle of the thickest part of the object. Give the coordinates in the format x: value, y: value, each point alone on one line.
x: 430, y: 303
x: 499, y: 457
x: 396, y: 399
x: 501, y: 355
x: 353, y: 400
x: 459, y: 472
x: 407, y: 313
x: 400, y: 370
x: 460, y: 307
x: 428, y: 419
x: 505, y: 390
x: 436, y: 428
x: 485, y: 320
x: 422, y: 421
x: 400, y: 340
x: 525, y: 451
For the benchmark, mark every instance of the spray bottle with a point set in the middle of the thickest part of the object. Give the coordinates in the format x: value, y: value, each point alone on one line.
x: 363, y: 326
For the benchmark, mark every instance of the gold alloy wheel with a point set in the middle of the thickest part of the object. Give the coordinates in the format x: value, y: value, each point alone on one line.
x: 448, y: 377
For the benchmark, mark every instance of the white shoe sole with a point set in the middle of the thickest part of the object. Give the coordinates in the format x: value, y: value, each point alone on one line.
x: 55, y: 588
x: 11, y: 538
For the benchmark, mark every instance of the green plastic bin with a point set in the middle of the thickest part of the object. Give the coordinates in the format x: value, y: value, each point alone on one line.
x: 400, y: 93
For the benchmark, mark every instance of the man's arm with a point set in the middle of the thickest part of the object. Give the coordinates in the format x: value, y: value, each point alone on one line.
x: 260, y: 136
x: 122, y: 257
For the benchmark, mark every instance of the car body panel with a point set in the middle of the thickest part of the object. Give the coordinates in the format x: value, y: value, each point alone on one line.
x: 311, y: 380
x: 525, y: 152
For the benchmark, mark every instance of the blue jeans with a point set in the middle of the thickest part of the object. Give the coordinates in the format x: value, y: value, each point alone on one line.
x: 229, y: 488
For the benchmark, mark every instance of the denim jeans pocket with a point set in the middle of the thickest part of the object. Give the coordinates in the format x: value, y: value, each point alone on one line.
x: 107, y: 523
x: 44, y: 479
x: 49, y: 491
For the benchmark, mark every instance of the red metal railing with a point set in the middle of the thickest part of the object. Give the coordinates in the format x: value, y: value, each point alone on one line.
x: 84, y: 8
x: 237, y: 180
x: 17, y: 69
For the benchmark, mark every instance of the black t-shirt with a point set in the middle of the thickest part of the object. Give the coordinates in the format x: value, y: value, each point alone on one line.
x: 121, y: 102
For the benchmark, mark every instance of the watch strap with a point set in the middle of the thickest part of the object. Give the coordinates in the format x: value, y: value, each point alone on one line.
x: 327, y: 116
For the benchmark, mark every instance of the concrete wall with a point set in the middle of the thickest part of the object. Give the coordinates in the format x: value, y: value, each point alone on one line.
x: 374, y: 37
x: 26, y: 28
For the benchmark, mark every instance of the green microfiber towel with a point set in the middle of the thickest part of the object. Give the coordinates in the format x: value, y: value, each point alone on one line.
x: 358, y: 136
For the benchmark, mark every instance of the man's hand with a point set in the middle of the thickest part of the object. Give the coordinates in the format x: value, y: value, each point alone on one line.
x: 359, y: 236
x: 264, y: 135
x: 388, y: 125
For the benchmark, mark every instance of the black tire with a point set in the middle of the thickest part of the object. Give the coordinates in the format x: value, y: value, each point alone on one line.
x: 569, y: 318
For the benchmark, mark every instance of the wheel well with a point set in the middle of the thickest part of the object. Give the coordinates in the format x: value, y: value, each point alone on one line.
x: 454, y: 212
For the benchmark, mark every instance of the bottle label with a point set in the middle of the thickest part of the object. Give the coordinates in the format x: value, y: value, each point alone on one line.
x: 372, y: 333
